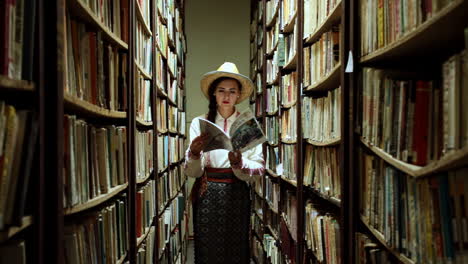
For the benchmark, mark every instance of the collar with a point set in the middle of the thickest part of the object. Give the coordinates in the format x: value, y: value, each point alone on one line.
x: 232, y: 118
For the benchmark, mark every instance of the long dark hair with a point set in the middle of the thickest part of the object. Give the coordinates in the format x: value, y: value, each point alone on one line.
x: 212, y: 107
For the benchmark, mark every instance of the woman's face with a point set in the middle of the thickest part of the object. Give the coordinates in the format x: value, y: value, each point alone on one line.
x: 227, y: 92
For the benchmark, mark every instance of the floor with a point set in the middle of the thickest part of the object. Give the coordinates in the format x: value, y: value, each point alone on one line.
x: 190, y: 254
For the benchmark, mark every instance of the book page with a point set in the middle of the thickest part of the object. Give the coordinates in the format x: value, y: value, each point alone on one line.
x: 246, y: 132
x: 218, y: 139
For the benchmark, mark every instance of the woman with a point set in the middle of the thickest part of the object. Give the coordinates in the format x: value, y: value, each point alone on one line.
x: 221, y: 199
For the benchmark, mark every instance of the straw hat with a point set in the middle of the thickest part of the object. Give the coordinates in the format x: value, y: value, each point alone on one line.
x: 228, y: 69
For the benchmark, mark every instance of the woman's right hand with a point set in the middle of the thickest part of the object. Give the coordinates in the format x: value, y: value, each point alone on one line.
x: 198, y: 144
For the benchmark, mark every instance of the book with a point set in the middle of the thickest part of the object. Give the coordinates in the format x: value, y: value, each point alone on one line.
x: 245, y: 133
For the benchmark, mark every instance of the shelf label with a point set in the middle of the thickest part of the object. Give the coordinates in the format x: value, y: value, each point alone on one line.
x: 349, y: 64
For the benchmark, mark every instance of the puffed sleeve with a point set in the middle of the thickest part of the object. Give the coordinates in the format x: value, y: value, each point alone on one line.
x: 193, y: 164
x: 252, y: 164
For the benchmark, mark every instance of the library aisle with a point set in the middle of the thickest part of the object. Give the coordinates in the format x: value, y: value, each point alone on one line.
x: 364, y: 104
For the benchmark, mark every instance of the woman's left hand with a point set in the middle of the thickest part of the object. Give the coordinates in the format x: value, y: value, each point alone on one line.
x: 235, y: 157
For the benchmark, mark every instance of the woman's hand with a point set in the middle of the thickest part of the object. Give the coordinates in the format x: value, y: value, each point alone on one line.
x: 198, y: 144
x: 235, y: 157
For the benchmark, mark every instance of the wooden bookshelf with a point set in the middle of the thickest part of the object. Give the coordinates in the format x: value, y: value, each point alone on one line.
x: 330, y: 199
x: 289, y: 105
x: 96, y: 201
x: 327, y: 143
x: 86, y: 14
x: 272, y: 174
x: 289, y: 141
x: 328, y: 82
x: 144, y: 73
x: 143, y: 237
x: 451, y: 160
x: 270, y: 53
x: 272, y: 232
x: 292, y: 182
x: 270, y: 206
x: 430, y: 37
x: 16, y: 85
x: 10, y: 232
x: 333, y: 18
x: 402, y: 258
x: 142, y: 20
x: 289, y: 26
x: 88, y: 108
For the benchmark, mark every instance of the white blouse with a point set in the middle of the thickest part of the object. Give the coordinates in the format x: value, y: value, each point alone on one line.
x: 252, y: 160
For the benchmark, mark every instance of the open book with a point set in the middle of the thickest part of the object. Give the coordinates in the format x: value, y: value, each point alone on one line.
x: 245, y: 133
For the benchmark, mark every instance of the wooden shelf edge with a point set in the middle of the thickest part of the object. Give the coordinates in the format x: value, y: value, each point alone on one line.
x: 141, y: 122
x: 381, y: 239
x: 145, y: 74
x: 272, y: 174
x: 272, y: 232
x: 292, y: 182
x: 289, y: 26
x: 96, y: 201
x: 327, y: 143
x: 143, y: 237
x: 451, y: 160
x: 285, y: 141
x: 375, y: 55
x: 142, y: 19
x: 88, y: 14
x: 5, y: 235
x: 19, y: 85
x: 327, y: 82
x: 333, y: 17
x: 148, y: 175
x: 91, y: 108
x: 291, y: 65
x: 333, y: 200
x: 271, y: 207
x: 122, y: 259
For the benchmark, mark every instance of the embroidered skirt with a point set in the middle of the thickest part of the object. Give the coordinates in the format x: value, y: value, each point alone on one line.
x: 221, y: 215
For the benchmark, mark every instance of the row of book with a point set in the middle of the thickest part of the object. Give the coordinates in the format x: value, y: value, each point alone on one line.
x: 421, y: 218
x: 272, y: 251
x: 272, y: 69
x: 288, y: 12
x: 143, y: 96
x: 18, y: 141
x: 169, y: 185
x: 289, y: 124
x: 416, y: 120
x: 257, y: 250
x: 145, y: 207
x: 143, y: 51
x: 172, y: 223
x: 101, y: 237
x: 321, y: 121
x: 322, y: 170
x: 95, y: 70
x: 322, y: 235
x: 145, y: 253
x: 95, y: 160
x: 290, y: 44
x: 288, y: 166
x: 289, y: 89
x: 272, y: 10
x: 271, y: 100
x: 289, y: 213
x: 145, y: 9
x: 321, y: 58
x: 272, y: 130
x: 113, y: 14
x: 272, y: 193
x: 18, y: 38
x: 171, y: 149
x: 272, y: 37
x: 144, y: 154
x: 316, y: 13
x: 382, y: 23
x: 272, y: 158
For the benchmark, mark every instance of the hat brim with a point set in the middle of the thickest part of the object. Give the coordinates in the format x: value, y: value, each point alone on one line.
x: 210, y: 77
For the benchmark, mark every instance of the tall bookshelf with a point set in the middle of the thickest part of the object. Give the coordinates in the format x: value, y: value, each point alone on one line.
x: 97, y: 190
x: 304, y: 89
x: 410, y: 139
x: 383, y: 123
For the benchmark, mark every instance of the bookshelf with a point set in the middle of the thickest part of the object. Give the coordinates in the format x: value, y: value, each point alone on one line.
x: 93, y: 84
x: 394, y: 155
